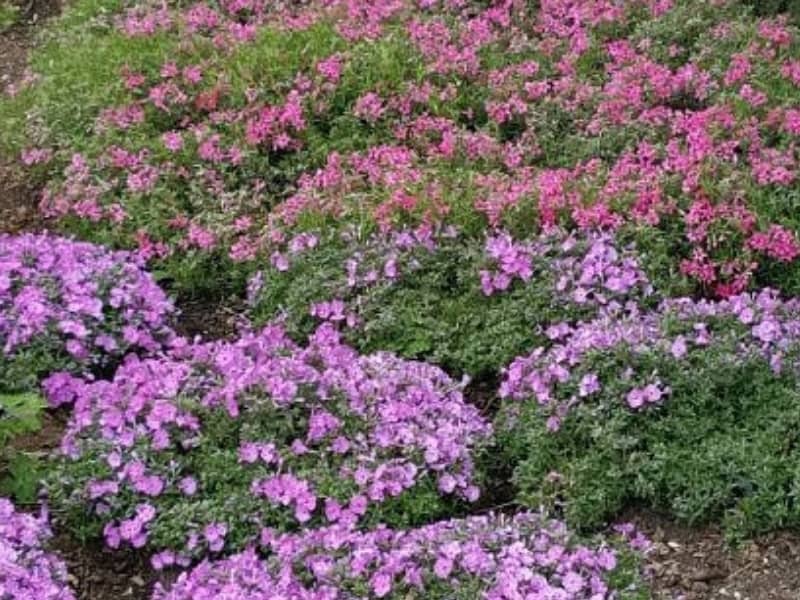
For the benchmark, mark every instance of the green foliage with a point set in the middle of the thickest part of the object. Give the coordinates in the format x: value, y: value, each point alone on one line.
x: 435, y: 311
x: 73, y: 86
x: 19, y: 471
x: 723, y: 447
x: 19, y: 413
x: 23, y: 370
x: 21, y: 476
x: 8, y: 14
x: 771, y: 8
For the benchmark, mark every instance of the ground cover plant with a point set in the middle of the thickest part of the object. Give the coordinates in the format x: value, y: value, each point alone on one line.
x: 691, y: 408
x: 20, y: 414
x: 73, y: 305
x: 468, y: 305
x: 625, y: 116
x: 27, y: 570
x: 510, y: 268
x: 8, y: 15
x: 493, y: 557
x: 197, y: 453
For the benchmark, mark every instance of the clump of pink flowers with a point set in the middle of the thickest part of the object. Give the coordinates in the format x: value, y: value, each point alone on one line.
x: 491, y: 556
x: 312, y: 435
x: 77, y: 300
x: 27, y: 570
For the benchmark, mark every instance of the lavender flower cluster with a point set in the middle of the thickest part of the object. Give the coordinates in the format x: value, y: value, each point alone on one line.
x: 491, y: 556
x: 310, y: 435
x: 381, y: 259
x: 586, y: 268
x: 77, y: 300
x: 27, y: 571
x: 562, y: 374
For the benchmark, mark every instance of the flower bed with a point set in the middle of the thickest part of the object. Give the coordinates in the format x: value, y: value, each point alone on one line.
x: 493, y: 557
x: 75, y: 305
x: 198, y: 452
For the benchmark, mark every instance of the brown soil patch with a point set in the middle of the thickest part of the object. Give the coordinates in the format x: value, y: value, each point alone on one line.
x: 18, y: 200
x: 211, y: 320
x: 47, y: 438
x: 96, y: 573
x: 697, y: 564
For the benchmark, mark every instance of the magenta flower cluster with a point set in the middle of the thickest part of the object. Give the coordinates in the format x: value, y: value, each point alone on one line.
x: 711, y: 115
x: 77, y: 299
x: 492, y: 556
x: 27, y: 570
x: 378, y: 425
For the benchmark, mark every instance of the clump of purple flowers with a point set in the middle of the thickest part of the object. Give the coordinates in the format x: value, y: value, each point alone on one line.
x: 382, y: 259
x: 260, y: 432
x: 78, y: 303
x: 27, y: 571
x: 586, y: 268
x: 491, y: 556
x: 563, y: 373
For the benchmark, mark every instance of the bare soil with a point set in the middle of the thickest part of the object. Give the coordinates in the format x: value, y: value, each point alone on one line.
x: 691, y: 563
x: 97, y: 573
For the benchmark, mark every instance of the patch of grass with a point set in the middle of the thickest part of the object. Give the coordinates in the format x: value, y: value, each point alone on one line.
x: 8, y: 14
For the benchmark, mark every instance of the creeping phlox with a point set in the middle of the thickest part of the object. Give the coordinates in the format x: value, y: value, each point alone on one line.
x: 582, y: 114
x: 587, y: 268
x: 491, y: 556
x: 197, y: 451
x: 565, y: 372
x: 76, y: 301
x: 28, y: 571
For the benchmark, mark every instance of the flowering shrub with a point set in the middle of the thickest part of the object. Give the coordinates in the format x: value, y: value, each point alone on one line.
x: 26, y: 569
x: 482, y: 302
x: 687, y: 407
x: 493, y: 557
x: 197, y: 452
x: 68, y: 304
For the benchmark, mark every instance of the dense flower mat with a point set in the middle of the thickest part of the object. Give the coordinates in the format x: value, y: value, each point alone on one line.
x: 198, y: 452
x: 27, y: 570
x: 676, y: 122
x: 492, y: 557
x: 70, y: 304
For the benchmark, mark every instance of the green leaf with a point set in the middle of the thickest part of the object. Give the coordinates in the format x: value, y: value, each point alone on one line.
x: 22, y: 479
x: 19, y: 413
